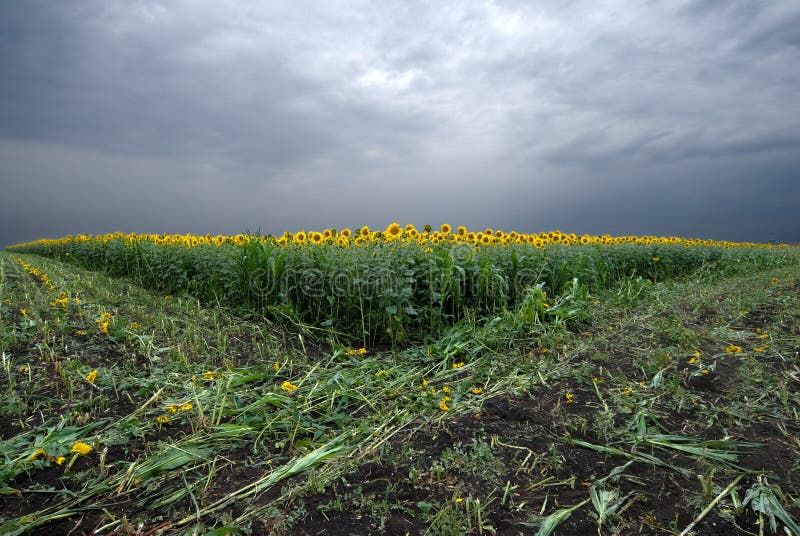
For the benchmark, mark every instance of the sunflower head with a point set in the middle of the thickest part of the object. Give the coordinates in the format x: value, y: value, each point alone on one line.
x: 394, y: 231
x: 446, y: 229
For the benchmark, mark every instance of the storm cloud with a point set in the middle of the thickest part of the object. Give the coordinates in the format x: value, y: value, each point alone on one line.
x: 668, y: 118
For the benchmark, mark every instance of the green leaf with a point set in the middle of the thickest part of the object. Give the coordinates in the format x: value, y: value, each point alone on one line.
x: 549, y: 523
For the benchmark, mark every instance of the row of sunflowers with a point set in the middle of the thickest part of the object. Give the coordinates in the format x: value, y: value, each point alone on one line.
x: 393, y: 233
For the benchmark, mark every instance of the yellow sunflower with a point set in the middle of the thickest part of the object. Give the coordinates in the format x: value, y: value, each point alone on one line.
x: 394, y: 231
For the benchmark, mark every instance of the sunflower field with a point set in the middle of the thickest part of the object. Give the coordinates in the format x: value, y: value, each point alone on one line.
x: 401, y: 284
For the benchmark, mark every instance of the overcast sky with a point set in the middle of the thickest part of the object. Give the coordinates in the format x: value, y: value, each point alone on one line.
x: 669, y: 118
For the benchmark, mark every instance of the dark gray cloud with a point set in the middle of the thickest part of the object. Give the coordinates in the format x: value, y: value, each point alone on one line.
x: 200, y: 116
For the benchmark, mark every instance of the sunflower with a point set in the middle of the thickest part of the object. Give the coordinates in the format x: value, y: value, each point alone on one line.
x: 300, y: 238
x: 394, y: 231
x: 364, y: 232
x: 346, y: 233
x: 315, y: 238
x: 327, y: 234
x: 461, y: 230
x: 446, y: 229
x: 81, y: 448
x: 240, y: 240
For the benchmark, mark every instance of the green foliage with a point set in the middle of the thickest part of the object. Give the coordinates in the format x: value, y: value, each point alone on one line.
x: 402, y: 291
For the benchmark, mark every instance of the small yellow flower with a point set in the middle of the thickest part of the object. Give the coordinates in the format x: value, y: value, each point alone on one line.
x: 40, y: 453
x: 163, y: 419
x: 733, y: 349
x: 186, y: 406
x: 276, y: 367
x: 24, y: 312
x: 92, y: 376
x: 173, y: 408
x: 60, y: 460
x: 477, y: 391
x: 210, y: 376
x: 104, y: 327
x: 458, y: 365
x: 692, y: 360
x: 134, y: 325
x: 595, y: 379
x: 167, y: 297
x: 357, y: 351
x: 570, y: 398
x: 81, y: 448
x: 773, y: 280
x: 459, y: 499
x: 656, y: 259
x: 760, y: 349
x: 446, y: 389
x: 546, y: 305
x: 627, y: 391
x: 763, y: 336
x: 80, y: 332
x: 288, y: 386
x: 443, y: 404
x: 381, y: 373
x: 705, y: 371
x: 697, y: 353
x: 424, y: 382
